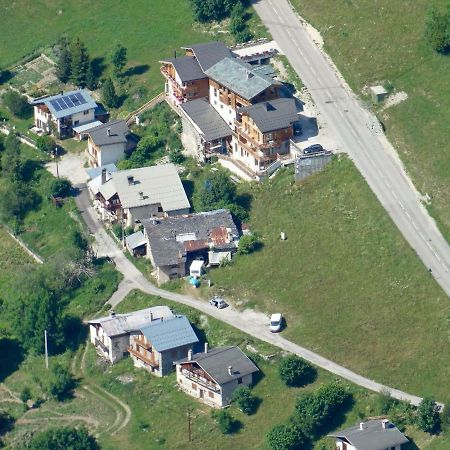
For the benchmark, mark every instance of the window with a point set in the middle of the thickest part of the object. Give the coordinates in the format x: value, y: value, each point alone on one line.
x: 239, y: 380
x: 215, y: 92
x: 211, y: 394
x: 76, y: 122
x: 86, y: 112
x: 194, y: 386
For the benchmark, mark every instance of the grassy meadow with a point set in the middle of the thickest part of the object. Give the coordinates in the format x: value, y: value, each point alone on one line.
x: 382, y: 42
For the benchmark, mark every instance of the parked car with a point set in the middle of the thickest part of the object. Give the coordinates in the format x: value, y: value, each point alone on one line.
x: 315, y: 148
x: 218, y: 302
x: 276, y: 321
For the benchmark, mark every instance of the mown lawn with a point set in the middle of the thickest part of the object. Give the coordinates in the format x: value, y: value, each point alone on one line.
x: 382, y: 41
x: 350, y: 286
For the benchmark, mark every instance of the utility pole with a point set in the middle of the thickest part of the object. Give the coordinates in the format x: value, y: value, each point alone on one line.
x: 46, y: 349
x: 56, y: 159
x: 123, y: 231
x: 189, y: 424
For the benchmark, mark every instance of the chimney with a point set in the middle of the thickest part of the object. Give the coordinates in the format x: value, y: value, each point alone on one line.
x: 103, y: 176
x: 249, y: 75
x: 112, y: 313
x: 230, y: 370
x: 162, y: 318
x: 130, y: 180
x: 206, y: 347
x: 141, y: 195
x: 151, y: 317
x: 384, y: 424
x: 108, y: 131
x: 361, y: 425
x: 190, y: 355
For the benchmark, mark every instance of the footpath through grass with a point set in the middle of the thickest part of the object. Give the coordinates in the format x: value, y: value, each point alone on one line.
x: 382, y: 42
x: 349, y: 285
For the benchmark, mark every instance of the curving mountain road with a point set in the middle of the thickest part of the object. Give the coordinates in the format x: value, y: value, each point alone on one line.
x: 351, y: 124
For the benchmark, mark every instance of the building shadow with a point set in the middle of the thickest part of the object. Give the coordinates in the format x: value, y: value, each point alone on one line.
x: 11, y: 356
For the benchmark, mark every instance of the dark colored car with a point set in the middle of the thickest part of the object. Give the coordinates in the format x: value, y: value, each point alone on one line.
x: 315, y: 148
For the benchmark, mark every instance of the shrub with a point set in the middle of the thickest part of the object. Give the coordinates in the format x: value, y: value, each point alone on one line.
x: 176, y: 156
x: 64, y: 438
x: 428, y: 418
x: 25, y: 394
x: 245, y: 400
x: 60, y: 187
x: 445, y: 416
x: 60, y: 382
x: 285, y: 437
x: 117, y: 230
x: 295, y: 371
x: 46, y: 144
x: 437, y: 29
x: 17, y: 104
x: 248, y: 244
x: 224, y: 421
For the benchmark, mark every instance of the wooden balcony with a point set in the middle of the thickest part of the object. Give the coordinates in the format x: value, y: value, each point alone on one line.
x: 143, y: 344
x: 194, y: 376
x: 102, y: 346
x: 143, y: 358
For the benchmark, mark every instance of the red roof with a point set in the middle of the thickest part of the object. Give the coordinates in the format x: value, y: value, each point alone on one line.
x: 192, y: 246
x: 219, y: 235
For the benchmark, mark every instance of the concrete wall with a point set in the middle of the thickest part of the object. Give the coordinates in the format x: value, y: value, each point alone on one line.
x: 83, y: 118
x: 229, y: 388
x: 117, y: 345
x: 226, y: 111
x: 110, y: 154
x: 190, y: 138
x: 305, y: 167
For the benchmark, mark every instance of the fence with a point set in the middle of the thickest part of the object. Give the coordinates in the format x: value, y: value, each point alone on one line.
x: 131, y: 118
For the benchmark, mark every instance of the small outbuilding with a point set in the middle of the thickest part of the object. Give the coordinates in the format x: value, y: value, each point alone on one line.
x: 378, y: 94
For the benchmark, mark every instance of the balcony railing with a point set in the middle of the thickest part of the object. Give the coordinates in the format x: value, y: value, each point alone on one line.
x: 143, y: 344
x: 143, y: 358
x: 104, y: 348
x: 200, y: 380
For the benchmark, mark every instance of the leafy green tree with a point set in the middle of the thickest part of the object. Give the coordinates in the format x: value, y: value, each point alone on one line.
x: 109, y: 94
x: 17, y: 104
x: 64, y: 66
x: 176, y: 156
x: 437, y: 29
x: 238, y: 25
x: 119, y: 58
x: 428, y: 418
x: 17, y: 200
x: 80, y: 63
x: 11, y: 159
x: 245, y: 400
x: 286, y: 437
x: 60, y: 382
x: 60, y: 187
x: 64, y: 439
x: 46, y: 144
x: 25, y: 394
x: 207, y: 10
x: 293, y: 370
x: 248, y: 244
x: 224, y: 421
x: 217, y: 191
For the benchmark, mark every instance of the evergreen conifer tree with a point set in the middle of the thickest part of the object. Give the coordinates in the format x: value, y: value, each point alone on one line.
x: 80, y: 63
x: 109, y: 94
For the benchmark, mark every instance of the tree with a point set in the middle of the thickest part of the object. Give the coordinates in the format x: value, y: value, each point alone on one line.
x: 207, y: 10
x: 248, y: 244
x: 109, y: 94
x: 80, y: 63
x: 285, y: 437
x: 176, y: 156
x: 245, y: 400
x: 17, y: 200
x: 46, y: 144
x: 119, y: 59
x: 224, y: 421
x: 437, y: 29
x: 64, y: 439
x: 11, y: 159
x: 91, y: 80
x: 295, y: 371
x: 17, y: 104
x: 428, y: 418
x: 217, y: 191
x: 238, y: 25
x: 60, y: 187
x: 59, y: 383
x: 25, y: 394
x: 64, y: 66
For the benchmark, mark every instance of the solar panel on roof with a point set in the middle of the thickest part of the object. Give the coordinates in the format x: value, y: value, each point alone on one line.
x: 55, y: 105
x: 80, y: 98
x: 69, y: 102
x: 61, y: 103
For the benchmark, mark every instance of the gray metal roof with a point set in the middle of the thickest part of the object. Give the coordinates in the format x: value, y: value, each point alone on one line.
x: 94, y: 172
x: 159, y: 185
x: 207, y: 119
x: 166, y: 236
x: 118, y: 130
x: 187, y: 68
x: 217, y: 361
x: 265, y: 69
x: 240, y: 77
x: 272, y: 115
x: 67, y: 103
x: 86, y: 126
x: 373, y: 436
x: 135, y: 240
x: 210, y: 53
x: 125, y: 323
x: 171, y: 333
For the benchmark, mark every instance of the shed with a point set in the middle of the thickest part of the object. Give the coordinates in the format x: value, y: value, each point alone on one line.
x: 196, y: 268
x: 378, y: 94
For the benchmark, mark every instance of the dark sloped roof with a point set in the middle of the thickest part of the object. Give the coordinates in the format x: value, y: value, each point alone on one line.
x: 272, y: 115
x: 187, y: 68
x: 240, y: 77
x: 167, y: 237
x: 210, y: 53
x: 169, y: 334
x: 373, y: 436
x: 118, y: 130
x: 217, y: 361
x: 207, y: 119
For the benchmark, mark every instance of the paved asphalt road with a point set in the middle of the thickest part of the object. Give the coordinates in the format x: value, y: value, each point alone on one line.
x: 251, y: 322
x: 351, y: 124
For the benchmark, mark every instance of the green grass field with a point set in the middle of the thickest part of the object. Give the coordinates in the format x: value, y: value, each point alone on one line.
x: 350, y: 286
x: 382, y: 41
